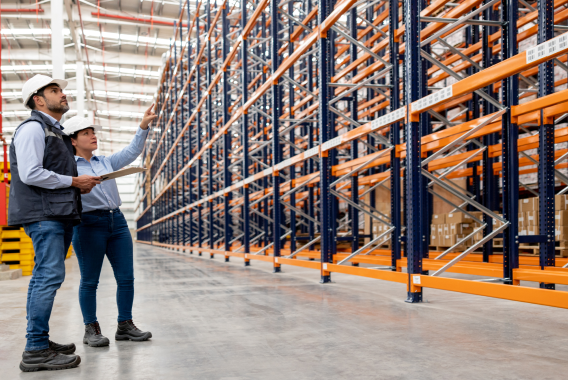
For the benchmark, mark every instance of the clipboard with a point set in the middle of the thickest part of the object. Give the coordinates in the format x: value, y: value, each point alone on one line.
x: 121, y: 173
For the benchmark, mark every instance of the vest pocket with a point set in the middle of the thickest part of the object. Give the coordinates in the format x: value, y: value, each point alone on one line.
x: 61, y: 203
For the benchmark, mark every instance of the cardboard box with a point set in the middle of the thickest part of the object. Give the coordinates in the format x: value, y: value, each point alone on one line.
x: 434, y: 240
x: 532, y: 218
x: 528, y: 204
x: 458, y: 217
x: 497, y: 223
x: 454, y: 239
x: 466, y: 243
x: 440, y: 228
x: 478, y: 236
x: 433, y: 229
x: 561, y: 202
x: 461, y: 228
x: 521, y: 220
x: 439, y: 219
x: 532, y: 230
x: 561, y: 233
x: 446, y: 229
x: 561, y: 218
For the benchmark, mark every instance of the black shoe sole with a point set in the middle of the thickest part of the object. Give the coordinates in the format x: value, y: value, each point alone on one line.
x: 142, y: 338
x: 47, y: 367
x: 101, y: 344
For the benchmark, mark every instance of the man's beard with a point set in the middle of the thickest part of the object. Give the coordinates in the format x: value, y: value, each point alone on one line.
x: 57, y: 107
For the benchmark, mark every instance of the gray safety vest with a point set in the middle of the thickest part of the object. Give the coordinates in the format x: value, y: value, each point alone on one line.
x: 33, y: 203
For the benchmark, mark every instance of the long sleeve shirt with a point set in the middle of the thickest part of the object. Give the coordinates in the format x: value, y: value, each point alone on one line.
x: 105, y: 195
x: 29, y: 143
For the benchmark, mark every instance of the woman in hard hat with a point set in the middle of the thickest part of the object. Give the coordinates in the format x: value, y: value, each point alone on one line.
x: 104, y: 230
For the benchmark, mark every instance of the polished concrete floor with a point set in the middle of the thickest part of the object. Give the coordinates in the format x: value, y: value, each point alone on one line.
x: 213, y: 320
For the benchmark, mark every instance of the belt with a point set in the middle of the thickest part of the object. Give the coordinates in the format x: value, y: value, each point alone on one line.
x: 102, y: 212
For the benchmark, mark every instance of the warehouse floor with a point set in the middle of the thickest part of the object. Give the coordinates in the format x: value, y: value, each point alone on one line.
x: 212, y: 320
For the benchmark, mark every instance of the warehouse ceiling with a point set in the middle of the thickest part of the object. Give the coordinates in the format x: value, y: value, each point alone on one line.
x: 121, y: 44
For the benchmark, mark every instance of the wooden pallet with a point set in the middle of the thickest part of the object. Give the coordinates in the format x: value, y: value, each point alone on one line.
x: 530, y: 249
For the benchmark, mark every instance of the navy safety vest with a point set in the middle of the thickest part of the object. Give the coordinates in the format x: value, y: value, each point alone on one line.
x: 30, y: 204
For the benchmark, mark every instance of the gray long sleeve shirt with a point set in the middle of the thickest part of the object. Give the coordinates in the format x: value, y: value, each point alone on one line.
x: 29, y: 143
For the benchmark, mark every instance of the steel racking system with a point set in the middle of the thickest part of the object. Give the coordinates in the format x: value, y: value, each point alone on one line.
x: 280, y: 121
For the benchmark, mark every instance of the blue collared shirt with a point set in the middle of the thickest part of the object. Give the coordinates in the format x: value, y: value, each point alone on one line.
x: 29, y: 142
x: 105, y: 195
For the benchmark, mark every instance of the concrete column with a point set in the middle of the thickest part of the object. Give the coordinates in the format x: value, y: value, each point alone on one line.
x: 80, y: 98
x: 57, y: 41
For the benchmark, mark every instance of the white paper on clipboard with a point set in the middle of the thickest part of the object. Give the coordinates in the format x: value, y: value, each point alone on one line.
x: 121, y: 173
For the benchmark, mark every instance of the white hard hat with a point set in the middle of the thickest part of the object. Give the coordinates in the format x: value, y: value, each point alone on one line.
x: 78, y: 123
x: 38, y: 81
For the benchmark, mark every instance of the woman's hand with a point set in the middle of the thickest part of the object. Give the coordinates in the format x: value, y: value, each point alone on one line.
x: 149, y: 116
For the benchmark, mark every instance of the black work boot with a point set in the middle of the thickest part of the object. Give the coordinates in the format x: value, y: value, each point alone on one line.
x: 47, y: 360
x: 127, y: 331
x: 93, y: 336
x: 65, y: 349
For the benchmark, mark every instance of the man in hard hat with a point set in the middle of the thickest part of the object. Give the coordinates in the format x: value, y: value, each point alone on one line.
x: 45, y: 198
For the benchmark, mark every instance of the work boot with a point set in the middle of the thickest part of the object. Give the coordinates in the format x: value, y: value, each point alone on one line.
x: 64, y: 349
x: 128, y: 331
x: 47, y: 360
x: 93, y: 336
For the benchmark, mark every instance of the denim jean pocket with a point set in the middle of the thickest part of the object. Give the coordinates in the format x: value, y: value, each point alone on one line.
x: 87, y: 220
x: 61, y: 203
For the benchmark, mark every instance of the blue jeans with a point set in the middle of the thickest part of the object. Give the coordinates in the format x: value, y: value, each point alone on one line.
x: 101, y: 233
x: 51, y: 241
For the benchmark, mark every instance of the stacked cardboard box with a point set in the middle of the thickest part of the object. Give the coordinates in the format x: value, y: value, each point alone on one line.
x: 529, y: 222
x: 448, y: 229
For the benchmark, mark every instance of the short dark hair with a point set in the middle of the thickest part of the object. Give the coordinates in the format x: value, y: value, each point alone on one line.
x: 31, y: 101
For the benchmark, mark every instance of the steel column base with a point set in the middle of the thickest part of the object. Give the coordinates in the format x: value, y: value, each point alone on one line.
x: 414, y: 297
x: 211, y: 256
x: 277, y: 270
x: 247, y: 263
x: 354, y: 264
x: 542, y: 285
x: 226, y: 259
x: 325, y: 279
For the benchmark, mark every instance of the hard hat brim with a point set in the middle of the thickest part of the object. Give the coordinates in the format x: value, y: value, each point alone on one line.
x: 96, y: 127
x: 62, y: 83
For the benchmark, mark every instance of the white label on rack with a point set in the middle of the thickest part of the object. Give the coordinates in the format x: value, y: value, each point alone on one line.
x: 239, y: 184
x: 562, y: 41
x: 248, y: 180
x: 416, y: 280
x: 276, y: 259
x: 324, y: 266
x: 531, y: 54
x: 547, y: 48
x: 267, y: 172
x: 311, y: 152
x: 284, y: 164
x: 431, y: 99
x: 331, y: 143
